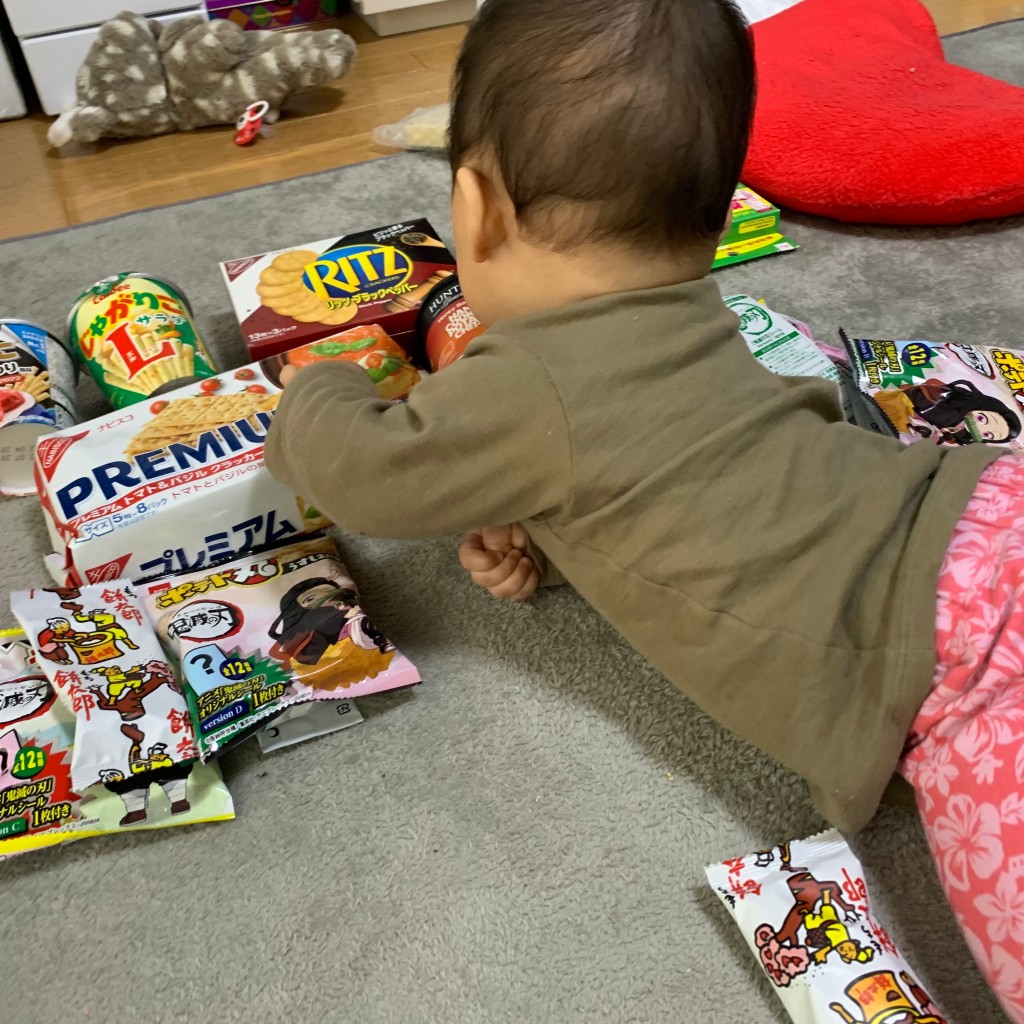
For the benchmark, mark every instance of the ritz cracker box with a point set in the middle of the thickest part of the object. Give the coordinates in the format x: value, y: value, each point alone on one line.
x: 290, y: 297
x: 178, y: 483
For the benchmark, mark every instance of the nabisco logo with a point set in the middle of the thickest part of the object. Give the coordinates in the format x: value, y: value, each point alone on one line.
x: 109, y: 572
x: 50, y: 450
x: 235, y: 268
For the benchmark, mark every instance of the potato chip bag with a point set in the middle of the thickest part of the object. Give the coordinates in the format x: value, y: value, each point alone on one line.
x: 264, y: 632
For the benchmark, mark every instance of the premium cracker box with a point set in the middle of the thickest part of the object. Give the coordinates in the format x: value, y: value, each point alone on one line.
x: 178, y: 483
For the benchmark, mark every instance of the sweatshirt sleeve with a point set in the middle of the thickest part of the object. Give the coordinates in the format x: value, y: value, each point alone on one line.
x: 550, y: 575
x: 483, y: 442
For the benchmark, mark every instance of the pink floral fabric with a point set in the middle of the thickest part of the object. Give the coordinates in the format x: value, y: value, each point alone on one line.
x: 965, y: 751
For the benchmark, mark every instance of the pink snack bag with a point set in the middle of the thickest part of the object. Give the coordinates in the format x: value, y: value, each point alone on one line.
x: 268, y: 631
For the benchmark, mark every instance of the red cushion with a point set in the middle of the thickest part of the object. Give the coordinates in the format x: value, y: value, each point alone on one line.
x: 860, y: 118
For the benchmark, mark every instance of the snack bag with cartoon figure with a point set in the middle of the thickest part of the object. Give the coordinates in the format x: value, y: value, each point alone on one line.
x: 945, y: 393
x: 104, y: 660
x: 804, y: 910
x: 261, y: 633
x: 38, y: 805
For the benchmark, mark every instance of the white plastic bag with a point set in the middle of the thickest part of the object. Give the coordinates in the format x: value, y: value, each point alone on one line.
x: 425, y: 128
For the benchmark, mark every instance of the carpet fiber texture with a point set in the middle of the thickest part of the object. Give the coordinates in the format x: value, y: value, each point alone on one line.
x: 523, y: 838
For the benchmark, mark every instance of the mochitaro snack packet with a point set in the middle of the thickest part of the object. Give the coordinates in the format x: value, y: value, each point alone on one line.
x: 265, y: 632
x: 941, y: 392
x: 40, y: 805
x: 804, y: 910
x: 104, y: 660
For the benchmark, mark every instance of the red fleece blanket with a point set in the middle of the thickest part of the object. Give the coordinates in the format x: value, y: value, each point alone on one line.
x: 860, y: 118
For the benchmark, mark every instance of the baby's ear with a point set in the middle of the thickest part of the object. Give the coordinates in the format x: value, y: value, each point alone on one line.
x: 728, y: 224
x: 477, y: 208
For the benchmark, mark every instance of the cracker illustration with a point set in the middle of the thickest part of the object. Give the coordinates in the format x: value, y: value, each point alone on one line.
x: 296, y: 260
x: 298, y: 303
x: 281, y: 289
x: 274, y: 276
x: 336, y: 317
x: 184, y: 419
x: 276, y: 291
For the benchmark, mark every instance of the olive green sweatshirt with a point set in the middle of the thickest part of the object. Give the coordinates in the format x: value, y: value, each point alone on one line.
x: 776, y: 563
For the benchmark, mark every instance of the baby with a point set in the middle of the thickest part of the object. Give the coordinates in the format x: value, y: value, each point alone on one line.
x: 612, y: 429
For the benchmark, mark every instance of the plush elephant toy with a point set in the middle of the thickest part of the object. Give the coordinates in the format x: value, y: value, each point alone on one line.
x: 144, y: 78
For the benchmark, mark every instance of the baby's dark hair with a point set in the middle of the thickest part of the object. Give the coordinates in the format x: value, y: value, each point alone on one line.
x: 609, y: 120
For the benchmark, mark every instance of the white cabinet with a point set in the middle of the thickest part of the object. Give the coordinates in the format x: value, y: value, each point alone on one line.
x: 389, y: 17
x: 37, y: 17
x: 55, y: 36
x: 12, y: 103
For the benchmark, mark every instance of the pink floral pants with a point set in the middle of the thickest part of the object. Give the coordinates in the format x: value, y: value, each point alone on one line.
x: 965, y: 752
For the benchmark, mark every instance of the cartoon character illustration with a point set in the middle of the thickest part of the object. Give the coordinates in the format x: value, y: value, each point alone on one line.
x: 172, y: 780
x: 125, y: 694
x: 919, y: 995
x: 879, y: 999
x: 315, y: 615
x: 10, y: 744
x: 808, y: 894
x: 827, y: 934
x: 128, y: 688
x: 103, y: 641
x: 956, y: 413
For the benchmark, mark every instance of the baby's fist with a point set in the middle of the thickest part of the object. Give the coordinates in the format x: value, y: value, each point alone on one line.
x: 497, y: 559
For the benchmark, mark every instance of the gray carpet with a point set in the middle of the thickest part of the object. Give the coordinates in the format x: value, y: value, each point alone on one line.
x: 521, y: 840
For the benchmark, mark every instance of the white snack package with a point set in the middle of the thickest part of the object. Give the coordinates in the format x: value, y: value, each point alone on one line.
x: 106, y: 665
x: 804, y: 910
x: 777, y: 344
x: 130, y: 495
x: 786, y: 346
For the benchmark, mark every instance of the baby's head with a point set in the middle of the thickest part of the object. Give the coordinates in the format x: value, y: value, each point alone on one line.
x: 595, y: 146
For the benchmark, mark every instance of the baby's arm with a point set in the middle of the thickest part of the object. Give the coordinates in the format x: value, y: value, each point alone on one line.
x: 484, y: 441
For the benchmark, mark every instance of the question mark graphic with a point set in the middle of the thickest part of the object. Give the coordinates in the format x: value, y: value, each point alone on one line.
x: 205, y: 660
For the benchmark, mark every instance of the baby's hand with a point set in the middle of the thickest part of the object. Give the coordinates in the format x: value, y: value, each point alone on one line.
x: 496, y: 558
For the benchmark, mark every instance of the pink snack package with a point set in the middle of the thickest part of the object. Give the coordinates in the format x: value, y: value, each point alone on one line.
x: 804, y: 910
x: 268, y: 631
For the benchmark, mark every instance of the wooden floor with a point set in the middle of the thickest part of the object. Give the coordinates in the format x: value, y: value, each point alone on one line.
x: 43, y: 189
